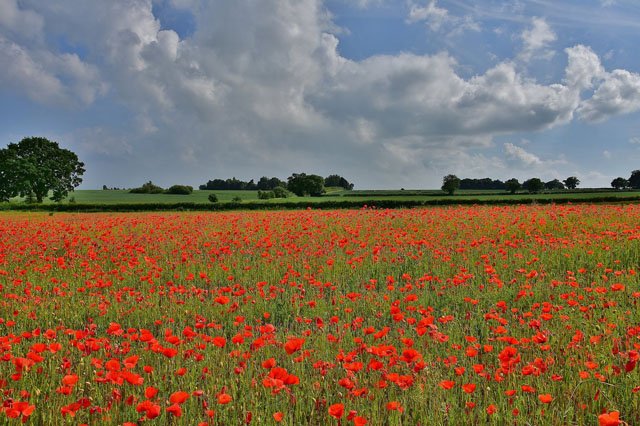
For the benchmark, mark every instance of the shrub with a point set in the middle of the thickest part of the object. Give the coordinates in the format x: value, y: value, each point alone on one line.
x: 147, y: 188
x: 280, y: 192
x: 213, y: 198
x: 266, y: 195
x: 180, y: 190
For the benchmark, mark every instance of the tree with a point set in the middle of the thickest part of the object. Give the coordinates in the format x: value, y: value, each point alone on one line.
x: 634, y: 180
x: 337, y: 181
x: 481, y: 184
x: 619, y: 183
x: 35, y: 166
x: 147, y: 188
x: 302, y: 184
x: 213, y: 198
x: 533, y: 185
x: 450, y: 183
x: 554, y: 184
x: 513, y: 185
x: 265, y: 183
x: 571, y: 182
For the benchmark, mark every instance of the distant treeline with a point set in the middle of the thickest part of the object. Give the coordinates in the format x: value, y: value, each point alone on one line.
x: 484, y: 183
x: 233, y: 184
x: 269, y: 184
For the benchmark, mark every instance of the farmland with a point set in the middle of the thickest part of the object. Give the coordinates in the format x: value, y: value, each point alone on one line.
x: 111, y: 199
x: 446, y: 316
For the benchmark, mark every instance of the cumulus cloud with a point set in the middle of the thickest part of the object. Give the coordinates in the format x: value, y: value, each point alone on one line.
x: 259, y: 86
x: 583, y: 68
x: 520, y: 154
x: 536, y: 41
x: 619, y: 93
x: 22, y: 23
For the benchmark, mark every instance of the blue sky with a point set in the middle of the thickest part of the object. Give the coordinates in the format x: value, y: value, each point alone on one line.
x: 388, y: 93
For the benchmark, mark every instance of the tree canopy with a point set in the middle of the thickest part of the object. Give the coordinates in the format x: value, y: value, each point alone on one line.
x: 303, y: 184
x: 483, y: 183
x: 450, y: 183
x: 554, y: 184
x: 619, y: 183
x: 634, y: 179
x: 533, y: 185
x: 513, y: 185
x: 338, y: 181
x: 36, y: 166
x: 571, y: 182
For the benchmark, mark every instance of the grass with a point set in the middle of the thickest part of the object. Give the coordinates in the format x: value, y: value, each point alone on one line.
x: 123, y: 196
x: 333, y: 194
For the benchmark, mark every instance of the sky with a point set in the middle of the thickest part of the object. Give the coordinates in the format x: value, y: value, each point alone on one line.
x: 387, y: 93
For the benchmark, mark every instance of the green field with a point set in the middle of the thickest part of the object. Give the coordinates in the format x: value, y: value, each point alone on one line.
x: 111, y: 197
x: 123, y: 196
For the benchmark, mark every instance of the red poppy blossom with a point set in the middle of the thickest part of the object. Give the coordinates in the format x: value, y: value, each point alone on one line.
x: 545, y: 398
x: 609, y: 419
x: 336, y: 410
x: 224, y: 398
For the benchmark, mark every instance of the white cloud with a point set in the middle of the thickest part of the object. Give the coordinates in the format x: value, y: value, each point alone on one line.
x: 619, y: 93
x: 583, y: 69
x: 606, y: 154
x: 437, y: 18
x: 635, y: 140
x: 520, y: 154
x: 363, y: 4
x: 536, y: 41
x: 261, y: 86
x: 433, y: 15
x: 19, y: 22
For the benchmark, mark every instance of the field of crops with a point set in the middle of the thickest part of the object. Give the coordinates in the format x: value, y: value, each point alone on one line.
x: 442, y: 316
x: 111, y: 197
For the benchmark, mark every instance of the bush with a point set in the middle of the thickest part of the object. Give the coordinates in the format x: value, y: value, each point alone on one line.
x: 180, y: 190
x: 148, y: 188
x: 280, y: 192
x: 266, y: 195
x: 236, y: 199
x: 213, y: 198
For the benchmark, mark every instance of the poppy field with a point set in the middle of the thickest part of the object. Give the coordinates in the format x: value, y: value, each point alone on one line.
x: 441, y: 316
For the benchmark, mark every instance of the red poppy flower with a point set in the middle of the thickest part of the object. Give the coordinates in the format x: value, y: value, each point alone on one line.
x: 175, y: 410
x: 178, y: 397
x: 224, y: 398
x: 545, y: 398
x: 609, y: 419
x: 336, y: 410
x: 469, y: 387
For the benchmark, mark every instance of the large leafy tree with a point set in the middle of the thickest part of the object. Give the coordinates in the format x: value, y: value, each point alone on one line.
x: 634, y: 179
x: 450, y: 183
x: 337, y: 181
x: 533, y: 185
x: 303, y: 184
x: 36, y: 166
x: 554, y: 184
x: 619, y: 183
x: 571, y: 182
x: 513, y: 185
